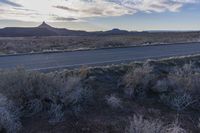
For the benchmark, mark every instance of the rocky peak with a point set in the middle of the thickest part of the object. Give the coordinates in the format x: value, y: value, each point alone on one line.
x: 45, y: 25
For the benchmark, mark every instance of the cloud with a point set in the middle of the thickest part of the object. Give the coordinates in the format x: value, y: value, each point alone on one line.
x: 66, y: 8
x: 153, y: 5
x: 71, y: 10
x: 8, y: 2
x: 57, y: 18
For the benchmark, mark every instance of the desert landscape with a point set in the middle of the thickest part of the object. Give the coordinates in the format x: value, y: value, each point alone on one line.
x: 119, y: 96
x: 14, y: 45
x: 157, y: 96
x: 99, y: 66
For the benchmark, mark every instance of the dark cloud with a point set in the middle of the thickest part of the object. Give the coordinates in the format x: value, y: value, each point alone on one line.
x: 65, y: 19
x: 10, y: 3
x: 66, y: 8
x: 59, y: 18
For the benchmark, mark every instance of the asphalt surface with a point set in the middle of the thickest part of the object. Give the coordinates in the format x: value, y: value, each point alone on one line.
x: 50, y: 61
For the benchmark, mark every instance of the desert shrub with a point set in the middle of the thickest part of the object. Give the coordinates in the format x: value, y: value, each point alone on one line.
x: 34, y: 106
x: 177, y: 102
x: 137, y: 80
x: 153, y: 111
x: 184, y: 87
x: 29, y: 90
x: 138, y: 124
x: 162, y: 86
x: 73, y: 91
x: 74, y: 96
x: 185, y: 78
x: 113, y: 101
x: 178, y: 88
x: 33, y: 92
x: 174, y: 128
x: 56, y: 113
x: 198, y: 123
x: 9, y: 117
x: 83, y: 72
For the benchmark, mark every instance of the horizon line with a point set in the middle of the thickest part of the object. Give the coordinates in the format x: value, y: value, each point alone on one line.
x: 156, y: 30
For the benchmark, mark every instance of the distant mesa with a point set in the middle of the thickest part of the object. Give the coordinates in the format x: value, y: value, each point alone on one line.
x: 42, y: 30
x: 117, y: 31
x: 46, y: 30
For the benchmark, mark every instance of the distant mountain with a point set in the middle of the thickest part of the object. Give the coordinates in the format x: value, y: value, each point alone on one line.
x: 42, y: 30
x: 116, y: 31
x: 46, y: 30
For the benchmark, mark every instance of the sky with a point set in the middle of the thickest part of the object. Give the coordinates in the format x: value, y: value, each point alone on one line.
x: 95, y: 15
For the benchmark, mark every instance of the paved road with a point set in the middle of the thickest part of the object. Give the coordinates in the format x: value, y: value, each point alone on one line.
x: 96, y: 57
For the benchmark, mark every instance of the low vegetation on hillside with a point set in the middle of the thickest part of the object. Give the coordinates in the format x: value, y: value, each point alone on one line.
x: 42, y: 44
x: 150, y: 97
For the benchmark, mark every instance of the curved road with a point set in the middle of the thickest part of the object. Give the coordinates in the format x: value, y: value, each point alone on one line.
x: 96, y: 57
